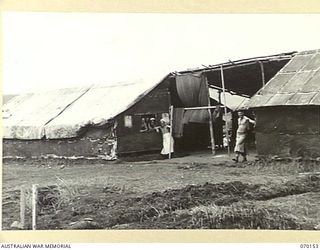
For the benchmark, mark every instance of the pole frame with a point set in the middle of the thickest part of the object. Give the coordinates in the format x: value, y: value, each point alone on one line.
x: 203, y: 107
x: 225, y: 107
x: 171, y: 128
x: 210, y: 119
x: 262, y: 74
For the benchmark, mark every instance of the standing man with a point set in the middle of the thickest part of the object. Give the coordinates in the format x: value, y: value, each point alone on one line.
x: 242, y: 131
x: 167, y: 139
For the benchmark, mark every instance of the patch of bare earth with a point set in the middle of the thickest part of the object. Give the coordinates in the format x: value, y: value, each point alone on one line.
x: 177, y: 194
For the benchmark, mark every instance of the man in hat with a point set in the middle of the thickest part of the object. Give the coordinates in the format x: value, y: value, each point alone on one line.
x: 152, y: 123
x: 242, y: 131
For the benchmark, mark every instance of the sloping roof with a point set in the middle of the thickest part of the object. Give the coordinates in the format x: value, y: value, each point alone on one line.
x: 62, y: 113
x: 96, y: 107
x: 7, y: 98
x: 297, y: 83
x: 232, y: 101
x: 27, y: 114
x: 244, y: 77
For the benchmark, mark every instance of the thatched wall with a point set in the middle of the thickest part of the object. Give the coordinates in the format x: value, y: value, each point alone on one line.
x: 93, y: 143
x: 288, y: 131
x: 131, y: 140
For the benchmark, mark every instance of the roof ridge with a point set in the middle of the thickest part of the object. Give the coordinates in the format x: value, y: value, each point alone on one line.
x: 241, y: 61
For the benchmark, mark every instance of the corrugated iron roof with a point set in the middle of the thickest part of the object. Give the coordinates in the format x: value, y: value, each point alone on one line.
x: 297, y: 83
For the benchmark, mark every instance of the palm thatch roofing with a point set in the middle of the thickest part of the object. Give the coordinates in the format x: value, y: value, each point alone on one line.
x: 297, y: 83
x: 7, y: 98
x: 61, y: 113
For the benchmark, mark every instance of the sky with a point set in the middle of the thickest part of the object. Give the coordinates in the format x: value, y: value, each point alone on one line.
x: 55, y: 50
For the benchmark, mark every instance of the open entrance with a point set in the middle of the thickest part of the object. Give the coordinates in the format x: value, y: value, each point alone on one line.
x: 199, y: 122
x: 205, y: 101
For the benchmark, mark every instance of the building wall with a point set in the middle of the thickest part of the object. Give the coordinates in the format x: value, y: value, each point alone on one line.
x: 131, y: 139
x: 288, y: 131
x: 94, y: 142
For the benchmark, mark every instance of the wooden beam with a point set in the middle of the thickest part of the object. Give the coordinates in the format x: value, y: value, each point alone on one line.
x: 204, y: 107
x: 262, y: 73
x: 210, y: 120
x: 237, y: 63
x: 171, y: 129
x: 227, y: 90
x: 225, y: 108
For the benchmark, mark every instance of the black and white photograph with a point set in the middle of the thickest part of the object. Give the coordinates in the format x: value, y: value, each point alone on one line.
x: 118, y: 121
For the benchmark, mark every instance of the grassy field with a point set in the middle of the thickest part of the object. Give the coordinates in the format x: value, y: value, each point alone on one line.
x: 197, y: 191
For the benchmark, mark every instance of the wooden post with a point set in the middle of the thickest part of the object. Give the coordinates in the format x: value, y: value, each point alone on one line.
x: 210, y: 121
x: 225, y: 107
x: 22, y: 206
x: 262, y: 73
x: 203, y: 107
x: 34, y: 206
x: 171, y: 129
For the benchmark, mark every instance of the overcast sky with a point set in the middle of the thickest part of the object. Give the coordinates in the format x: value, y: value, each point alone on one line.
x: 54, y: 50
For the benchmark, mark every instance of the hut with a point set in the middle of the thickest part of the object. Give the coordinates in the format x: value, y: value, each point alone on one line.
x: 287, y: 109
x: 111, y: 120
x: 95, y: 121
x: 230, y: 84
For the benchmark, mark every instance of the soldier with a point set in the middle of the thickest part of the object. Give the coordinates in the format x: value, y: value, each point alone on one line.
x: 242, y: 131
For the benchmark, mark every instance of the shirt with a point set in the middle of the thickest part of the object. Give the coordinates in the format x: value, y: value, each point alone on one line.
x: 243, y: 124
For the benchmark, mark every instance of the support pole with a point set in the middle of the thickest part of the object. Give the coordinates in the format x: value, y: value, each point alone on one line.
x: 210, y: 120
x: 262, y: 73
x: 203, y: 107
x: 34, y: 206
x: 171, y: 128
x: 22, y: 207
x: 225, y: 107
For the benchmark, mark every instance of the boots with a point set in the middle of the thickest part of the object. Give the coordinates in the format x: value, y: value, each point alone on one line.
x: 236, y: 159
x: 244, y: 157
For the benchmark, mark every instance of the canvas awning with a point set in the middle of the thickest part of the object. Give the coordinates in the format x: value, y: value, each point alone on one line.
x: 232, y: 102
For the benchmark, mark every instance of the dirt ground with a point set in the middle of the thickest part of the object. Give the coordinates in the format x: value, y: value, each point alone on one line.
x: 195, y: 191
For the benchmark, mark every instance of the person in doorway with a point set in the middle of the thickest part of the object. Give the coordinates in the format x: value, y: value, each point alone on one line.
x: 152, y: 123
x: 167, y: 139
x: 144, y: 125
x: 242, y: 131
